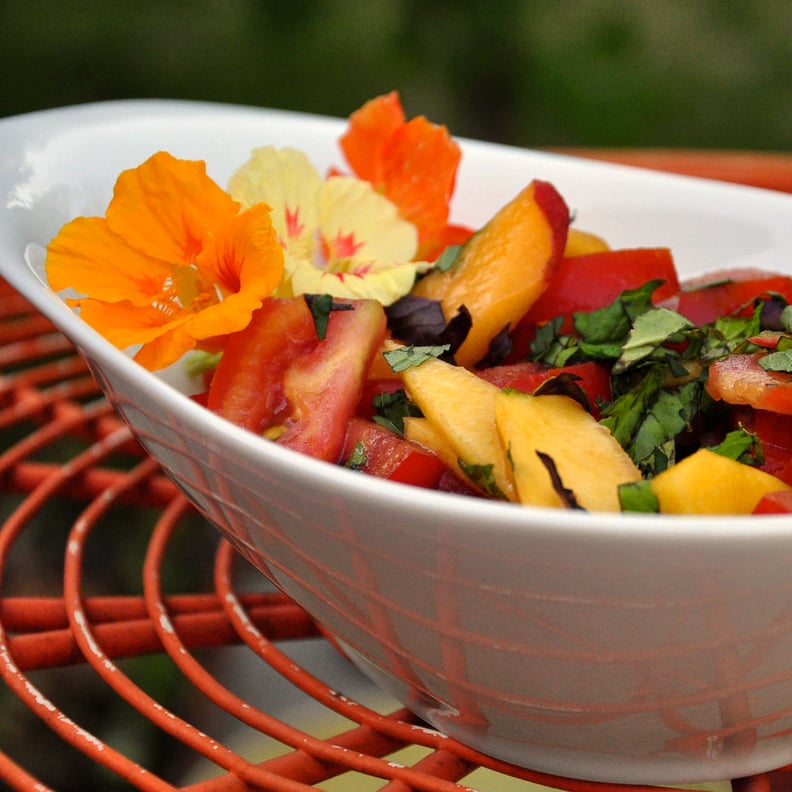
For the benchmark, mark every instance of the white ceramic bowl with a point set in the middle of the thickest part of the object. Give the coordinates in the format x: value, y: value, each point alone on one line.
x: 621, y: 648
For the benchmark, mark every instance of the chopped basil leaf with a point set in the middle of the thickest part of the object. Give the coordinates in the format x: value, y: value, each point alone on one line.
x: 420, y: 321
x: 742, y: 446
x: 564, y: 384
x: 391, y: 410
x: 786, y: 318
x: 499, y: 348
x: 568, y: 498
x: 482, y: 476
x: 772, y: 313
x: 650, y: 330
x: 777, y: 361
x: 694, y: 287
x: 638, y: 496
x: 647, y: 419
x: 448, y: 258
x: 357, y: 459
x: 405, y: 357
x: 321, y: 305
x: 612, y: 324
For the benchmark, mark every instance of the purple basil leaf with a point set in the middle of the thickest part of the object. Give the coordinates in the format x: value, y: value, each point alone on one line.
x: 419, y: 321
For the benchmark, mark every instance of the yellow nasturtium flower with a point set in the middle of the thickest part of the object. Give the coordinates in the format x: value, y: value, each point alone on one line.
x: 339, y: 235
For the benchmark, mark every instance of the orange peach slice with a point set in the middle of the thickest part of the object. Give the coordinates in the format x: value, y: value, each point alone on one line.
x: 586, y: 457
x: 503, y: 268
x: 460, y: 408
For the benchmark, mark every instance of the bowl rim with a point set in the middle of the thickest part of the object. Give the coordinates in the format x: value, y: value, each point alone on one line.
x: 638, y: 527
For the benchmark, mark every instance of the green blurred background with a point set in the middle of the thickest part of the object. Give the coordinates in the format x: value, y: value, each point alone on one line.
x: 678, y: 73
x: 660, y: 73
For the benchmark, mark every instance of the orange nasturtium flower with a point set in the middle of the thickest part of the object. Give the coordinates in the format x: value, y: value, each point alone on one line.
x: 173, y: 264
x: 413, y: 163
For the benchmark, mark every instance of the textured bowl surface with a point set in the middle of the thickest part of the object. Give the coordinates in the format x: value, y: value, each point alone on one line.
x: 611, y: 647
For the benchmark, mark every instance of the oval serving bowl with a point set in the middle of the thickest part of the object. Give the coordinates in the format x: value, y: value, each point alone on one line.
x: 621, y: 648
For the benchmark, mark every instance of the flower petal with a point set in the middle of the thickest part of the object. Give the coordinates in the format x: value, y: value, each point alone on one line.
x: 126, y: 325
x: 419, y: 165
x: 167, y: 207
x: 248, y: 265
x: 383, y: 281
x: 286, y: 180
x: 369, y: 129
x: 355, y: 221
x: 88, y: 257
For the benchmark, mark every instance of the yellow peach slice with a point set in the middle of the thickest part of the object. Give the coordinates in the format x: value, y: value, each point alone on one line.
x: 582, y: 243
x: 589, y: 461
x: 460, y: 407
x: 709, y: 483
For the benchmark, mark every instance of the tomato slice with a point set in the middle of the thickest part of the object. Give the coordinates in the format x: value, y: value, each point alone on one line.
x: 730, y: 292
x: 371, y: 389
x: 391, y: 457
x: 278, y: 378
x: 247, y: 386
x: 527, y: 377
x: 739, y: 379
x: 775, y: 503
x: 586, y: 283
x: 774, y: 432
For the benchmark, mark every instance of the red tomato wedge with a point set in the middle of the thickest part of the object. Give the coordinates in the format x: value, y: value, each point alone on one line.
x: 739, y: 379
x: 729, y: 292
x: 775, y: 503
x: 391, y: 457
x: 527, y: 377
x: 278, y: 377
x: 586, y: 283
x: 774, y: 432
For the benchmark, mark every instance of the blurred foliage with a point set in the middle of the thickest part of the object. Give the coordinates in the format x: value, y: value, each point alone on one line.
x: 528, y: 72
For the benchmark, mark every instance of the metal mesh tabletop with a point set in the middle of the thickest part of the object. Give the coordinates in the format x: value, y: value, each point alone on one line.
x: 137, y: 651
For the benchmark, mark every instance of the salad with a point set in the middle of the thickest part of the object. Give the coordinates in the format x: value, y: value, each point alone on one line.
x: 344, y: 316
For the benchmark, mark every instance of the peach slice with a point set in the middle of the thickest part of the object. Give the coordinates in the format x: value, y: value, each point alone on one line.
x: 583, y: 243
x: 460, y: 408
x: 709, y: 483
x: 587, y: 458
x: 502, y: 268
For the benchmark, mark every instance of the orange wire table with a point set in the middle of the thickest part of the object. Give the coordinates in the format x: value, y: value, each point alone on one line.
x: 115, y: 597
